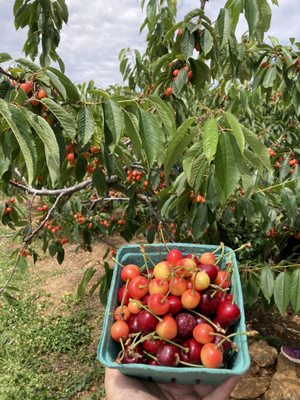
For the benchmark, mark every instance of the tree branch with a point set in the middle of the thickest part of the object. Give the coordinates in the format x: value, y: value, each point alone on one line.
x: 10, y: 76
x: 203, y: 3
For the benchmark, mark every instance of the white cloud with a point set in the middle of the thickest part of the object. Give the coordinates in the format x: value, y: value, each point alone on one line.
x: 98, y: 30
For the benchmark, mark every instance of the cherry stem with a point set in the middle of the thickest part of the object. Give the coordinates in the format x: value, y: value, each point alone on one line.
x: 217, y: 287
x: 218, y: 248
x: 217, y: 328
x: 170, y: 288
x: 162, y: 235
x: 150, y: 355
x: 145, y: 260
x: 146, y: 308
x: 185, y: 349
x: 122, y: 344
x: 243, y: 246
x: 142, y: 339
x: 117, y: 262
x: 124, y: 294
x: 143, y: 251
x: 249, y: 333
x: 222, y: 253
x: 191, y: 365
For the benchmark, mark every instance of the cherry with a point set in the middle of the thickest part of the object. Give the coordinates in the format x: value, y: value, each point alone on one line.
x: 138, y: 287
x: 42, y: 94
x: 130, y: 271
x: 168, y: 91
x: 157, y: 285
x: 152, y: 345
x: 195, y: 259
x: 146, y: 321
x: 211, y: 356
x: 162, y: 270
x: 167, y: 328
x: 167, y: 355
x: 185, y: 325
x: 175, y: 72
x: 26, y: 86
x: 228, y: 314
x: 200, y: 280
x: 134, y: 306
x: 133, y: 355
x: 202, y: 333
x: 119, y: 330
x: 208, y: 304
x: 223, y: 279
x: 173, y: 256
x: 193, y: 355
x: 185, y: 266
x: 178, y: 286
x: 211, y: 271
x: 190, y: 299
x: 152, y: 362
x: 145, y: 299
x: 133, y: 324
x: 175, y: 304
x: 207, y: 258
x: 122, y: 313
x: 157, y: 304
x: 226, y: 345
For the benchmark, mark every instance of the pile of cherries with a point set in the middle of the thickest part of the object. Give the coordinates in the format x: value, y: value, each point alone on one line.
x: 179, y: 313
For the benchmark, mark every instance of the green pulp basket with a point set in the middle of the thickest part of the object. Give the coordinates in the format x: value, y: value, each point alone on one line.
x: 108, y: 348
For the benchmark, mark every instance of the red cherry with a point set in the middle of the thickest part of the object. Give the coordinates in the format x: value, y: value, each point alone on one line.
x: 202, y: 333
x: 133, y: 324
x: 130, y: 271
x: 26, y: 86
x: 228, y: 313
x: 42, y: 94
x: 146, y: 321
x: 173, y: 256
x: 152, y: 345
x: 121, y: 295
x: 175, y: 304
x: 175, y: 72
x: 167, y: 355
x: 119, y: 330
x: 138, y: 287
x: 222, y: 279
x: 193, y: 355
x: 211, y: 271
x: 168, y: 91
x: 190, y: 299
x: 157, y: 304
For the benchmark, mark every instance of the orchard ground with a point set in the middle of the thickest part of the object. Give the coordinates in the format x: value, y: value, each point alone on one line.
x: 48, y: 341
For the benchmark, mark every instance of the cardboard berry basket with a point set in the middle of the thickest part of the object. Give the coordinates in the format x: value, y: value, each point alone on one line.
x: 108, y: 349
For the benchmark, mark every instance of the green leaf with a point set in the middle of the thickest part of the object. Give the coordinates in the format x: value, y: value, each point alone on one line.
x: 224, y: 25
x: 267, y: 282
x: 251, y: 15
x: 89, y: 273
x: 165, y: 113
x: 105, y: 283
x: 52, y: 248
x: 178, y: 144
x: 4, y: 57
x: 210, y: 138
x: 236, y: 130
x: 187, y: 44
x: 60, y: 256
x: 99, y: 181
x: 85, y: 125
x: 47, y: 136
x: 207, y: 42
x: 64, y: 118
x: 12, y: 118
x: 226, y: 162
x: 258, y: 148
x: 57, y: 84
x: 201, y: 74
x: 270, y: 77
x: 200, y: 221
x: 132, y: 131
x: 72, y: 93
x: 114, y: 119
x: 149, y: 135
x: 282, y: 291
x: 265, y: 14
x: 290, y: 204
x: 295, y: 290
x: 180, y: 82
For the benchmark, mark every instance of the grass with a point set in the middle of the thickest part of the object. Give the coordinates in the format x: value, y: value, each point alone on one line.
x: 45, y: 352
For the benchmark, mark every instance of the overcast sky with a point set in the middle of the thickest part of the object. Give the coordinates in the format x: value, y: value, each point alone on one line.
x: 99, y: 29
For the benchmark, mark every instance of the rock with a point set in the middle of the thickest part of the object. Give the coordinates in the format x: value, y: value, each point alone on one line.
x: 285, y: 384
x: 263, y: 354
x: 251, y: 388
